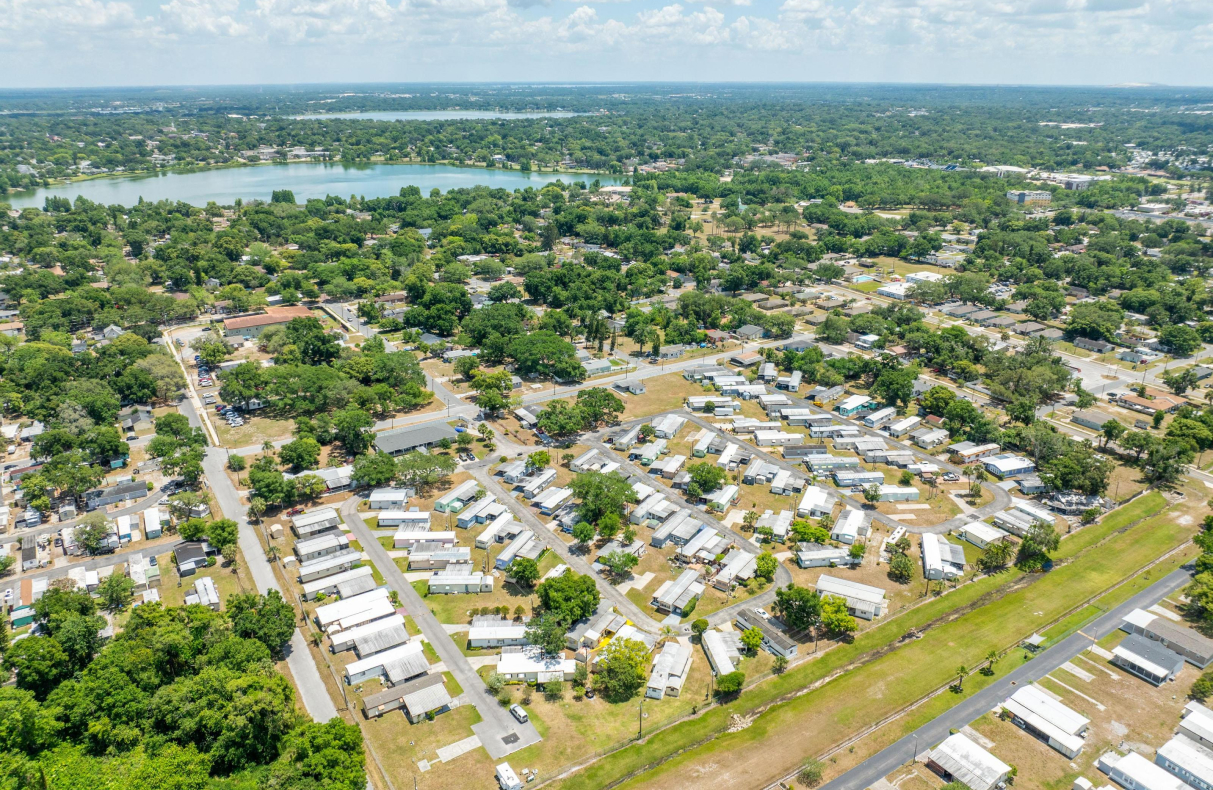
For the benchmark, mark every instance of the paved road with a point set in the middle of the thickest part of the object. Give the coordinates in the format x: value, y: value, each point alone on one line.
x: 303, y: 667
x: 925, y: 737
x: 499, y: 732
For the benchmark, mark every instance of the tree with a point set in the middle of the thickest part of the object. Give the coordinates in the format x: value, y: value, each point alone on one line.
x: 424, y: 470
x: 25, y: 726
x: 374, y: 469
x: 730, y: 683
x: 1180, y: 382
x: 540, y: 459
x: 561, y: 420
x: 467, y: 367
x: 751, y: 640
x: 699, y: 626
x: 525, y: 571
x: 619, y: 563
x: 583, y: 532
x: 1038, y: 542
x: 901, y: 568
x: 872, y: 494
x: 765, y: 566
x: 907, y: 478
x: 303, y: 453
x: 599, y: 406
x: 996, y: 557
x: 327, y: 755
x: 222, y: 533
x: 834, y: 616
x: 493, y: 390
x: 622, y: 666
x: 40, y: 664
x: 237, y: 463
x: 961, y: 672
x: 572, y: 596
x: 798, y: 607
x: 352, y: 427
x: 116, y: 592
x: 548, y: 632
x: 601, y: 495
x: 708, y: 477
x: 1112, y: 431
x: 553, y: 690
x: 1180, y: 339
x: 810, y: 773
x: 266, y: 618
x: 92, y: 533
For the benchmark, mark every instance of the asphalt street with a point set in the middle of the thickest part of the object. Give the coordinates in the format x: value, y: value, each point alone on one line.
x: 499, y: 732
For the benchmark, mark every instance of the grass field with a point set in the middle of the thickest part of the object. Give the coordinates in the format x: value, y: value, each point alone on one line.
x: 897, y: 678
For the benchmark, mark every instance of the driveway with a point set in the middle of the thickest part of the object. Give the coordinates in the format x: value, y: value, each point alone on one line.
x: 499, y: 732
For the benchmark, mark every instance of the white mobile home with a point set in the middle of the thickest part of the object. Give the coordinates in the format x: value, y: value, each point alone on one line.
x: 330, y: 613
x: 815, y: 503
x: 879, y: 417
x: 863, y: 600
x: 453, y: 580
x: 1048, y: 719
x: 501, y: 634
x: 539, y: 483
x: 532, y: 665
x: 408, y: 658
x: 314, y: 522
x: 404, y: 520
x: 361, y: 579
x: 407, y: 540
x: 981, y: 534
x: 328, y: 566
x: 388, y: 498
x: 456, y: 499
x: 849, y: 527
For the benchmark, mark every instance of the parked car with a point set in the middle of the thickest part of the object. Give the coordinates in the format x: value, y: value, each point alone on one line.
x: 518, y: 713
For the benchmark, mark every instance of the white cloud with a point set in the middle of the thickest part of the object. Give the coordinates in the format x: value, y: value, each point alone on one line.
x: 193, y: 17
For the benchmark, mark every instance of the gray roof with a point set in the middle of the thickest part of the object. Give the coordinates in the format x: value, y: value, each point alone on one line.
x: 751, y: 619
x: 424, y: 695
x: 356, y: 586
x: 1151, y: 651
x: 406, y: 667
x: 406, y: 439
x: 1185, y: 638
x: 379, y: 641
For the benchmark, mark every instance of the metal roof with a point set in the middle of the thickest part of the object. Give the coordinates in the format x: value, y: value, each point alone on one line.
x: 969, y: 763
x: 408, y: 438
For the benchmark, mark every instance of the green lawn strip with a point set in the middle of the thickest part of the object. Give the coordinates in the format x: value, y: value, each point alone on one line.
x: 1072, y: 623
x: 904, y: 675
x: 1142, y: 507
x: 410, y: 626
x: 452, y: 686
x: 387, y: 542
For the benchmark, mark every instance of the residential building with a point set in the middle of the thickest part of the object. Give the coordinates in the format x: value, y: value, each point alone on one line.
x: 389, y: 498
x: 959, y: 759
x: 849, y: 527
x: 1147, y: 659
x: 1007, y: 465
x: 676, y: 595
x: 1134, y: 772
x: 1030, y: 196
x: 774, y: 641
x: 670, y: 670
x: 405, y: 440
x: 315, y: 522
x: 863, y: 600
x: 981, y: 534
x: 1197, y: 724
x: 1196, y: 649
x: 531, y: 665
x: 251, y: 326
x: 1047, y: 719
x: 502, y: 633
x: 1187, y: 759
x: 1093, y: 419
x: 723, y: 650
x: 398, y: 665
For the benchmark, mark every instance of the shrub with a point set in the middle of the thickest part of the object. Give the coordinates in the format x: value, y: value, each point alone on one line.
x: 810, y: 773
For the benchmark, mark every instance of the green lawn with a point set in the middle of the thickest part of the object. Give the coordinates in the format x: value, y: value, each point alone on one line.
x: 896, y: 679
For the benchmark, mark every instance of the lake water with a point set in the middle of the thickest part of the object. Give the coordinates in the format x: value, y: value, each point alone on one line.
x: 306, y: 180
x: 435, y: 115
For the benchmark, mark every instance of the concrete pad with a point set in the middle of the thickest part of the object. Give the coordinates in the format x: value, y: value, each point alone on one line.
x: 976, y: 737
x: 1077, y: 672
x: 1099, y: 651
x: 451, y: 751
x: 483, y: 661
x: 636, y: 582
x: 423, y: 765
x: 1167, y: 613
x: 413, y: 576
x: 672, y: 620
x: 903, y: 516
x: 783, y: 555
x: 395, y: 554
x: 904, y: 506
x: 455, y: 628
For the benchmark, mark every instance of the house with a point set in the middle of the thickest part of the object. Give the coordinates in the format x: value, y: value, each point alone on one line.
x: 902, y: 427
x: 526, y: 419
x: 389, y: 498
x: 315, y: 522
x: 344, y: 585
x: 321, y: 546
x: 968, y: 452
x: 204, y: 594
x: 631, y: 387
x: 405, y: 440
x: 1197, y: 724
x: 671, y: 352
x: 940, y: 559
x: 367, y: 639
x: 122, y: 492
x: 251, y: 326
x: 774, y: 641
x: 456, y: 499
x: 777, y: 438
x: 1147, y: 659
x: 959, y: 759
x: 878, y: 418
x: 596, y: 367
x: 981, y: 534
x: 668, y: 426
x: 679, y: 595
x: 398, y: 665
x: 1043, y: 716
x: 817, y: 555
x: 1138, y: 355
x: 1007, y: 465
x: 749, y: 333
x: 1188, y: 760
x: 328, y: 566
x: 855, y: 404
x: 1134, y: 772
x: 670, y: 670
x: 815, y: 503
x: 891, y: 493
x: 863, y: 600
x: 849, y: 526
x: 192, y: 556
x: 1098, y: 346
x: 502, y: 633
x: 425, y: 695
x: 1092, y: 418
x: 723, y: 650
x: 153, y: 526
x: 1196, y: 649
x: 532, y: 665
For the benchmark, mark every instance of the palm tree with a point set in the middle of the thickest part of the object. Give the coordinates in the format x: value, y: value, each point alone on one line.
x: 750, y: 519
x: 961, y: 671
x: 667, y: 632
x: 991, y: 660
x: 272, y: 553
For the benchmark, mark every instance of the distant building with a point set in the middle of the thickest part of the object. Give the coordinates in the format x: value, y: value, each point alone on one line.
x: 1025, y: 196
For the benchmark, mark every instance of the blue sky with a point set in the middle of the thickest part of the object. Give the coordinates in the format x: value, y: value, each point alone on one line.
x: 143, y: 42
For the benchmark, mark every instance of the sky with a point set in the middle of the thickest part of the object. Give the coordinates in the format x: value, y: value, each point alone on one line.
x: 78, y: 43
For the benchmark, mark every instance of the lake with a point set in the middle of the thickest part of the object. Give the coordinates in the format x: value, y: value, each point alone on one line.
x: 435, y: 115
x: 306, y: 180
